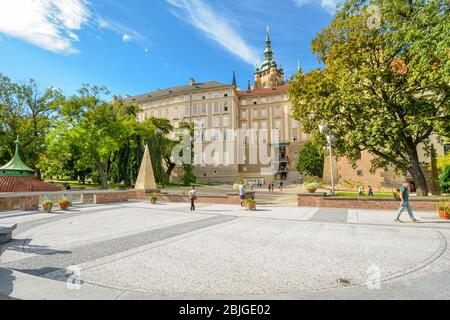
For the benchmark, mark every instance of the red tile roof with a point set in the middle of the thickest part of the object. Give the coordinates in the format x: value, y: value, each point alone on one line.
x: 255, y: 92
x: 25, y: 184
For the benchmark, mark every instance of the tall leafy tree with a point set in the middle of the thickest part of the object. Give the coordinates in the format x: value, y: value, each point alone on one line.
x: 27, y: 111
x: 92, y: 128
x: 384, y: 86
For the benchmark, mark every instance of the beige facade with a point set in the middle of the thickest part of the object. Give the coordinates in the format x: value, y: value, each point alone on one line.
x: 249, y: 135
x: 345, y: 174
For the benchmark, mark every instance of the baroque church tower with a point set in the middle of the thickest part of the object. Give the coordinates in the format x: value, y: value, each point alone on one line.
x: 269, y: 75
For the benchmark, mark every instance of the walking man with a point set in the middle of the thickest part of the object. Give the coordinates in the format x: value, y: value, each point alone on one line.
x: 193, y: 197
x: 370, y: 192
x: 404, y: 198
x: 281, y: 185
x: 242, y: 193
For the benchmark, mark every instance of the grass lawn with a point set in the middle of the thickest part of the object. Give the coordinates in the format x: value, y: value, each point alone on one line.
x: 171, y: 185
x: 385, y: 195
x: 382, y: 195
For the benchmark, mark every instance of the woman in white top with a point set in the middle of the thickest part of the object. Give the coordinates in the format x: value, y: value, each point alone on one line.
x: 193, y: 197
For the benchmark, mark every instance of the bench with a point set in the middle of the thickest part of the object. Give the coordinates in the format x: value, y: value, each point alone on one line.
x: 6, y: 232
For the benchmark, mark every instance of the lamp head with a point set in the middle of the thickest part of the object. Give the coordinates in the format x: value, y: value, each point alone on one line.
x: 324, y: 129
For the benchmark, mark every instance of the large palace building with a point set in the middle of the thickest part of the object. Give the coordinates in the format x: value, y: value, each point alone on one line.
x: 247, y: 134
x: 251, y: 135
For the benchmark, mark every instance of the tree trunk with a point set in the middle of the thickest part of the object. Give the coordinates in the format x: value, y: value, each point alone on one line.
x: 103, y: 175
x: 170, y: 167
x: 418, y: 175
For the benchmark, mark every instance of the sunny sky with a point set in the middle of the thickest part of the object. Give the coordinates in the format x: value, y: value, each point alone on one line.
x: 136, y: 46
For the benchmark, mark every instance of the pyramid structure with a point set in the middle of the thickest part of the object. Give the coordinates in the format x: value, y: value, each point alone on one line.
x: 146, y: 178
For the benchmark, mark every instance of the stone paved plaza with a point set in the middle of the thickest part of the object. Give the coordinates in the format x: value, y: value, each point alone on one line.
x: 139, y: 251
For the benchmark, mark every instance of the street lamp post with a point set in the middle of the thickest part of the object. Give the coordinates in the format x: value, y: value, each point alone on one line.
x: 331, y: 141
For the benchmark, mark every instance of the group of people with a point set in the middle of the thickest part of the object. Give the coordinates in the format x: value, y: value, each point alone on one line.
x: 403, y: 197
x: 361, y: 192
x: 271, y: 186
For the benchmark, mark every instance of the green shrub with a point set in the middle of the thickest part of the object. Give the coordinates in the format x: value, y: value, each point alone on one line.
x: 444, y: 179
x: 310, y: 161
x: 47, y: 203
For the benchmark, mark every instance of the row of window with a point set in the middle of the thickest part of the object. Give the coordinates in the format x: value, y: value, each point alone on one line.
x: 256, y: 113
x: 187, y: 98
x: 265, y: 100
x: 263, y: 124
x: 218, y: 107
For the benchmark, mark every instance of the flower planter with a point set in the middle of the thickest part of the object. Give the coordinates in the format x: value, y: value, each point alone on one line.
x: 250, y: 206
x: 312, y: 190
x: 64, y: 207
x: 153, y: 201
x: 47, y: 208
x: 444, y: 214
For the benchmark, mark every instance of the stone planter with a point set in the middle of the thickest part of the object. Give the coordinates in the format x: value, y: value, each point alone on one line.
x: 64, y: 206
x: 443, y: 214
x: 47, y: 208
x: 250, y: 205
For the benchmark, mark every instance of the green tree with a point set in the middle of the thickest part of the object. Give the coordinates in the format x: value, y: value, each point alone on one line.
x: 27, y: 111
x: 444, y: 179
x: 310, y: 161
x: 385, y: 88
x: 93, y: 129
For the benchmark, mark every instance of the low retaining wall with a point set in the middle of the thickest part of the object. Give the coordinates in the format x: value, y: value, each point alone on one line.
x: 321, y: 200
x: 30, y: 201
x: 231, y: 198
x: 111, y: 197
x: 19, y: 203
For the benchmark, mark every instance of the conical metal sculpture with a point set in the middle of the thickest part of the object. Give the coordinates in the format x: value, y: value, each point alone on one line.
x: 146, y: 178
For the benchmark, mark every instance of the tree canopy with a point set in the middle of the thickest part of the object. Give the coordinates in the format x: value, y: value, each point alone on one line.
x: 310, y: 161
x: 385, y: 86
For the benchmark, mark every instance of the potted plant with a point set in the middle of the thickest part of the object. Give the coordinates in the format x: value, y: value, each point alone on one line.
x: 312, y: 186
x: 443, y: 210
x: 250, y: 205
x: 47, y: 206
x: 153, y: 198
x: 64, y: 204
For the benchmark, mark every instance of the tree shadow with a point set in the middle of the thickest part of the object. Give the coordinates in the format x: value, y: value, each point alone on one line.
x: 6, y: 283
x: 24, y: 246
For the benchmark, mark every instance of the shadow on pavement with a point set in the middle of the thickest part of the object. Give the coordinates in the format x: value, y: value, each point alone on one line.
x: 6, y: 283
x: 24, y: 246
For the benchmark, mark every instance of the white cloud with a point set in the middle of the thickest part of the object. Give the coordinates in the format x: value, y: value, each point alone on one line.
x: 215, y: 27
x: 127, y: 34
x: 49, y: 24
x: 328, y: 5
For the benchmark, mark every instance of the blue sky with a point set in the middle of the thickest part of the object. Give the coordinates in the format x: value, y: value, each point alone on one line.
x: 136, y: 46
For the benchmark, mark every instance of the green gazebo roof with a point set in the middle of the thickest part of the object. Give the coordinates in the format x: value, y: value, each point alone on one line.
x: 16, y: 167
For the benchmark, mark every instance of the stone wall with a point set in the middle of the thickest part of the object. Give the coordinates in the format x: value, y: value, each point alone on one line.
x: 111, y: 197
x: 321, y: 200
x: 231, y: 198
x: 19, y: 203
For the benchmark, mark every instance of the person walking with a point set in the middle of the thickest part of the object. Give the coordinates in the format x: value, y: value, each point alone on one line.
x: 370, y: 192
x: 404, y: 198
x: 270, y: 186
x: 281, y: 185
x: 242, y: 193
x: 193, y: 197
x: 361, y: 191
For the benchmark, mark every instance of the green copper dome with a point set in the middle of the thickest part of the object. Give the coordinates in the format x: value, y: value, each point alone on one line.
x: 16, y: 167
